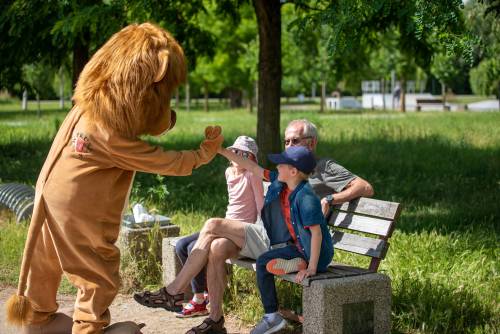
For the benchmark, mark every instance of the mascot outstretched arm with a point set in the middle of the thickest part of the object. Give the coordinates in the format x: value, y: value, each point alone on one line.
x: 123, y: 92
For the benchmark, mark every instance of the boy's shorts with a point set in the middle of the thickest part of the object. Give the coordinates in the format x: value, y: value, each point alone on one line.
x: 256, y: 240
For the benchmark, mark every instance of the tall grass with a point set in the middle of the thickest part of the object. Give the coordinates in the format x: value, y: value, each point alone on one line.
x: 443, y: 167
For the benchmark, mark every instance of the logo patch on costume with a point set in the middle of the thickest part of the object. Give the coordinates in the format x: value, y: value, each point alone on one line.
x: 80, y: 142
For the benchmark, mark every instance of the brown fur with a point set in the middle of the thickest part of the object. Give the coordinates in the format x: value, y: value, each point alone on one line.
x: 18, y: 309
x: 127, y: 85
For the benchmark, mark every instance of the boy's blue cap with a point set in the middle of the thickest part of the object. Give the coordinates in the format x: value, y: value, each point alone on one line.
x: 299, y: 157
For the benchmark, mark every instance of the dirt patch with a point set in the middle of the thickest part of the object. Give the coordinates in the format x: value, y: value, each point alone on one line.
x: 125, y: 308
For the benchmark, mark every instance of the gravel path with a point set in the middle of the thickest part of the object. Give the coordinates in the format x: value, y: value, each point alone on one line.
x: 125, y: 308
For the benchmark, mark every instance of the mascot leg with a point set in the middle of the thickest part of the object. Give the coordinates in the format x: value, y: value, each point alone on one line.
x: 43, y: 279
x: 97, y: 287
x: 91, y: 262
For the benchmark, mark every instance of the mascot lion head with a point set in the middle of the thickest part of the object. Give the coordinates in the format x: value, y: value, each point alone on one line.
x: 128, y: 83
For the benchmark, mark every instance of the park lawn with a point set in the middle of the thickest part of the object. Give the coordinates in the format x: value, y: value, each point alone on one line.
x: 443, y: 167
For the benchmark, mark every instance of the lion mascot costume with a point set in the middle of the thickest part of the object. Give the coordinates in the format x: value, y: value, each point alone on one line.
x: 123, y: 92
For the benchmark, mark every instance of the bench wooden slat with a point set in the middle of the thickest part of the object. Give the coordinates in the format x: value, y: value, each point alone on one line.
x: 334, y: 271
x: 359, y: 244
x: 359, y: 223
x: 371, y: 207
x: 243, y: 262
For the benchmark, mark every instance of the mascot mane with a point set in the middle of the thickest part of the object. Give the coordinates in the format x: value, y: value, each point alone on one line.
x: 127, y: 85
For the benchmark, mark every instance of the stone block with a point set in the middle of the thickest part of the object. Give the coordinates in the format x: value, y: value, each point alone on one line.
x: 140, y: 242
x: 349, y: 305
x: 171, y: 264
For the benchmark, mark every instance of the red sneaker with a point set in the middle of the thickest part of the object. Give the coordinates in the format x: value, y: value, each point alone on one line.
x: 192, y: 309
x: 282, y: 266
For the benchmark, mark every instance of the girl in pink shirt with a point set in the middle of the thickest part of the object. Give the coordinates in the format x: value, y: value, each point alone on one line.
x: 245, y: 200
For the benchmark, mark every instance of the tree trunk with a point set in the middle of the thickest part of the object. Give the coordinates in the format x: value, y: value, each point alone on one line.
x: 393, y: 82
x: 235, y: 98
x: 38, y: 110
x: 323, y: 97
x: 498, y: 96
x: 403, y: 95
x: 177, y: 99
x: 24, y: 104
x: 250, y: 101
x: 443, y: 95
x: 205, y: 96
x: 383, y: 94
x: 187, y: 96
x: 61, y: 88
x: 80, y: 55
x: 268, y: 105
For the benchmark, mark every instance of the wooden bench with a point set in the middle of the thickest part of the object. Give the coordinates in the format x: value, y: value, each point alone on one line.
x: 345, y: 299
x: 434, y: 102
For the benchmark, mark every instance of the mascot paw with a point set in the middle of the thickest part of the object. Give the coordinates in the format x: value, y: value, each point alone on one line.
x: 59, y: 323
x: 212, y: 132
x: 125, y: 327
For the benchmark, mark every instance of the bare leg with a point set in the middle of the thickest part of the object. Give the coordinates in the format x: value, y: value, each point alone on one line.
x: 220, y: 250
x: 213, y: 228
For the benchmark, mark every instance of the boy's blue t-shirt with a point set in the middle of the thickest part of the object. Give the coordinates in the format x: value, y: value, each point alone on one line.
x: 305, y: 211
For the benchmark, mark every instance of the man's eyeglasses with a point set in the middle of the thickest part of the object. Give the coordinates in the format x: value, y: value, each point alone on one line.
x: 244, y: 154
x: 295, y: 141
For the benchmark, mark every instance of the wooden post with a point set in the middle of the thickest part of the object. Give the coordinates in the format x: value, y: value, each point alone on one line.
x: 403, y: 95
x: 443, y: 95
x: 61, y: 88
x: 205, y: 95
x: 38, y: 110
x: 383, y: 94
x: 177, y: 99
x: 24, y: 104
x: 323, y: 97
x: 187, y: 96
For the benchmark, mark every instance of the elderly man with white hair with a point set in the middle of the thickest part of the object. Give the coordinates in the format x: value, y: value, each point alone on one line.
x: 330, y: 181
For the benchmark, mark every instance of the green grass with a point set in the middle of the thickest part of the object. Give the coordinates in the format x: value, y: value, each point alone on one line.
x: 464, y: 99
x: 443, y: 167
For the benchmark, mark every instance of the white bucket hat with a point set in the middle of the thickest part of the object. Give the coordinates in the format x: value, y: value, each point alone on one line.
x: 245, y: 143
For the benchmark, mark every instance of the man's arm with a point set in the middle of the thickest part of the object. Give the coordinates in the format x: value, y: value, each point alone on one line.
x: 358, y: 187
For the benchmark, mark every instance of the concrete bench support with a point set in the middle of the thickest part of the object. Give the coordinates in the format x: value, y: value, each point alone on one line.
x: 171, y: 264
x: 137, y: 241
x: 348, y: 305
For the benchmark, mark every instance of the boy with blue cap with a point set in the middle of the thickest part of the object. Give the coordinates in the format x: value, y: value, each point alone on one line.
x: 292, y: 216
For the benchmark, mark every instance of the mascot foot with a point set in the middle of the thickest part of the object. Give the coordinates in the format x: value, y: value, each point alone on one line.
x: 59, y: 323
x: 125, y: 327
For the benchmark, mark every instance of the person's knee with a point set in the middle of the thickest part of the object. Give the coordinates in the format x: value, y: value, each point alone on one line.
x: 221, y: 249
x: 262, y: 261
x: 212, y: 225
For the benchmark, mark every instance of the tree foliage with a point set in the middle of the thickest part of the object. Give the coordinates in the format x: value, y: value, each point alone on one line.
x: 56, y: 29
x: 485, y: 78
x: 421, y: 27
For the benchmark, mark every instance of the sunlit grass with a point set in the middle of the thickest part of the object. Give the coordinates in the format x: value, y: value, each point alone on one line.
x: 443, y: 167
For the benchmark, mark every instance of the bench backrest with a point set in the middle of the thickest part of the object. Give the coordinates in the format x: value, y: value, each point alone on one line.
x: 369, y: 216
